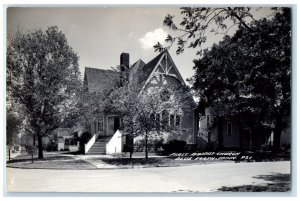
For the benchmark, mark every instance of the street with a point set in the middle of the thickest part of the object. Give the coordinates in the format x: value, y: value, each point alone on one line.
x: 195, y: 178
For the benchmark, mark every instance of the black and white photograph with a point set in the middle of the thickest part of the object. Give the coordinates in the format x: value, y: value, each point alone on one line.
x: 177, y: 99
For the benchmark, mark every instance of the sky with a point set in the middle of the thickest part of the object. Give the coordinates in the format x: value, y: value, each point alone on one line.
x: 100, y: 34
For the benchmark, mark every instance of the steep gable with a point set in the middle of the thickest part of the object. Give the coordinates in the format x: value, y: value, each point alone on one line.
x: 146, y: 70
x: 135, y: 72
x: 160, y: 68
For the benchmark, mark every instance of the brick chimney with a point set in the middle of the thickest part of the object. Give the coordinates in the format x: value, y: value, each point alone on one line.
x: 124, y: 61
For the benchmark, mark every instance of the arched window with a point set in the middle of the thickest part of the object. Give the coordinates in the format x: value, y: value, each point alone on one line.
x: 178, y: 122
x: 157, y: 121
x: 172, y: 121
x: 152, y: 119
x: 165, y: 119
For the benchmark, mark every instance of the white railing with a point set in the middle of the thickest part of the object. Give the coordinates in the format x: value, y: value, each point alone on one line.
x: 114, y: 145
x: 89, y: 144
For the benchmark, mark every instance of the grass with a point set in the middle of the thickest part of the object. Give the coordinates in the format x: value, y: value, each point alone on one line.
x: 151, y: 162
x: 68, y: 160
x: 277, y: 187
x: 53, y: 161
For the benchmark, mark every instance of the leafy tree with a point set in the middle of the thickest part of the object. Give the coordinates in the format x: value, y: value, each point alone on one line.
x: 44, y: 79
x: 247, y: 74
x: 140, y: 111
x: 199, y: 22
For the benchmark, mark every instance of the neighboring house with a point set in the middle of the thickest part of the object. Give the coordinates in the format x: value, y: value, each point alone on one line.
x: 65, y: 139
x: 160, y: 72
x: 231, y: 134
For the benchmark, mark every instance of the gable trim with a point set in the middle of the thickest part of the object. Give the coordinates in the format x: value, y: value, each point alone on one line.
x: 165, y: 55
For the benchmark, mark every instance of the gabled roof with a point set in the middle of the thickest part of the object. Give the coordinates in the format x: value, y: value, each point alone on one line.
x: 135, y: 71
x: 99, y: 79
x: 147, y: 69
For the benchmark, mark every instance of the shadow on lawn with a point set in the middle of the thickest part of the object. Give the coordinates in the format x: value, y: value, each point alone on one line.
x: 276, y: 178
x: 280, y: 183
x: 133, y: 161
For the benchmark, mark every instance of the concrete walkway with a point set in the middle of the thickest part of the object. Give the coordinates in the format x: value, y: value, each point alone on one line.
x: 95, y: 160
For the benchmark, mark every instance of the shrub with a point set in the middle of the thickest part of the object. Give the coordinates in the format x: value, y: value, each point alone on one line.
x: 85, y: 136
x: 174, y: 146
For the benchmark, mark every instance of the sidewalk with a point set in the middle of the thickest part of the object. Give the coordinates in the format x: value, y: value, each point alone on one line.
x: 95, y: 161
x: 71, y: 161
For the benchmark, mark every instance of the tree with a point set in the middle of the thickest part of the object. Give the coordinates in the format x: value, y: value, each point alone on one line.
x: 199, y: 22
x: 44, y: 79
x: 140, y: 111
x: 243, y: 64
x: 248, y: 74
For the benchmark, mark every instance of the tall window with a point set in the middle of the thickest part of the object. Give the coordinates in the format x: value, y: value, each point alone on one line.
x: 165, y: 119
x: 229, y: 128
x: 178, y: 121
x: 67, y: 142
x: 172, y: 120
x: 152, y: 118
x: 207, y: 120
x: 157, y: 121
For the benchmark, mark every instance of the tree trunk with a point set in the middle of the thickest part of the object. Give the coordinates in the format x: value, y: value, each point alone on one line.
x: 277, y: 133
x: 146, y: 146
x: 40, y: 147
x: 220, y: 134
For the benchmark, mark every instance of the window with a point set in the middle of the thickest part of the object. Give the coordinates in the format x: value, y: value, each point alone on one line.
x: 165, y: 95
x: 172, y: 120
x: 67, y: 142
x: 178, y: 121
x: 165, y: 119
x: 207, y: 120
x: 157, y: 121
x: 73, y: 142
x: 229, y: 128
x: 152, y: 117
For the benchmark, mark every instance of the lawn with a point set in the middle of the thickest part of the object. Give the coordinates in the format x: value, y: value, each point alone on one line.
x: 50, y: 161
x: 152, y: 162
x: 65, y: 160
